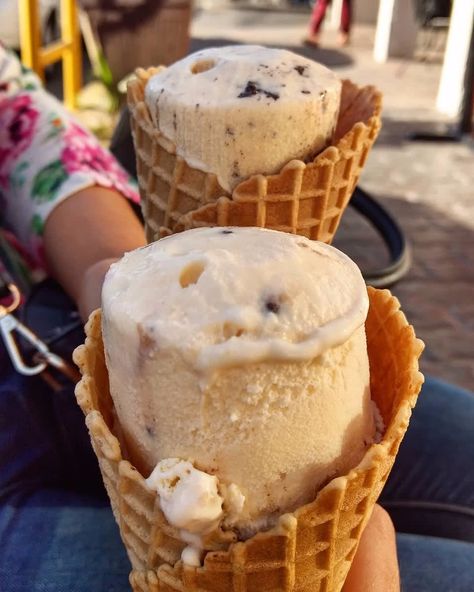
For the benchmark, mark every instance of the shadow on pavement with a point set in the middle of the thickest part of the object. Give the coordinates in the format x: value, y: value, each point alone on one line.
x: 437, y: 294
x: 396, y: 132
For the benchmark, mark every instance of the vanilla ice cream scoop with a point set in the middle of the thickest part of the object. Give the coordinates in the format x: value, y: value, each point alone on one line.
x: 240, y: 110
x: 241, y: 351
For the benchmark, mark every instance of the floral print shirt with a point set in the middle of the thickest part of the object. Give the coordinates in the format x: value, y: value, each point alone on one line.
x: 45, y: 156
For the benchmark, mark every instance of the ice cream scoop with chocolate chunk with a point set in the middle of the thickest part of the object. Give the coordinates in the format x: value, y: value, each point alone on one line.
x: 254, y: 369
x: 277, y: 105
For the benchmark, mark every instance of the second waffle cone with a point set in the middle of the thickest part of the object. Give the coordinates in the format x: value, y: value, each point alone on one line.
x: 307, y: 199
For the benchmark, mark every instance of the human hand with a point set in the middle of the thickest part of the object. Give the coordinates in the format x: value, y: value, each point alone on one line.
x: 89, y: 297
x: 375, y: 565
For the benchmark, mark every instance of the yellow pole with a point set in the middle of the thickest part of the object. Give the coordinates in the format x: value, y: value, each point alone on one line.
x: 72, y: 59
x: 30, y: 35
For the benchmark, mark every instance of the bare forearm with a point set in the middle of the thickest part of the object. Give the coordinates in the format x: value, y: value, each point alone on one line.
x: 91, y: 226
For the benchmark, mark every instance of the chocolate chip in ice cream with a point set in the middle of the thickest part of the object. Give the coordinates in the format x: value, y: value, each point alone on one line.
x: 271, y: 95
x: 249, y: 91
x: 253, y: 89
x: 235, y: 169
x: 272, y: 306
x: 300, y: 70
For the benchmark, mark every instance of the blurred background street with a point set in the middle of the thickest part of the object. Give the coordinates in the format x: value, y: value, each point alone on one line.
x: 428, y: 187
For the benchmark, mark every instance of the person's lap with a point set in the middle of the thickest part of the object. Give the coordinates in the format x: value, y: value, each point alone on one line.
x: 433, y: 564
x: 55, y: 541
x: 60, y: 541
x: 52, y: 539
x: 431, y: 488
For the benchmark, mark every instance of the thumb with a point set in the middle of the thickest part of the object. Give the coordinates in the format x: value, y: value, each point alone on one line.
x: 375, y: 565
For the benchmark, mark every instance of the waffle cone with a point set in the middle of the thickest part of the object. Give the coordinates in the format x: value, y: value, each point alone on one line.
x: 307, y: 199
x: 309, y: 550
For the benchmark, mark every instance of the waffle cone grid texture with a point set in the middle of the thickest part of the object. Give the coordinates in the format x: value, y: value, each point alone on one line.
x: 306, y: 199
x: 309, y: 550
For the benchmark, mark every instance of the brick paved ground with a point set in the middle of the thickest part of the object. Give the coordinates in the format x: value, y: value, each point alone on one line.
x: 428, y: 187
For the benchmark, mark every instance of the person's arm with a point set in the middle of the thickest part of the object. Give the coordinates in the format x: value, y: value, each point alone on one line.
x: 62, y: 193
x: 83, y: 235
x: 375, y: 565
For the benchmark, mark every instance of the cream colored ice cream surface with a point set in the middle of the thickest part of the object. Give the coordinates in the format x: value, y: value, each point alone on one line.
x: 242, y: 352
x: 240, y: 110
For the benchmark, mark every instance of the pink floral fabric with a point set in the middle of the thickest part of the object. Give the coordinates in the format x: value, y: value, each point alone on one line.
x: 17, y: 125
x: 81, y: 153
x: 45, y: 156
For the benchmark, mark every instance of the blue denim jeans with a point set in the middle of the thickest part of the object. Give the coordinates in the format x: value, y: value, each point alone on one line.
x: 57, y: 532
